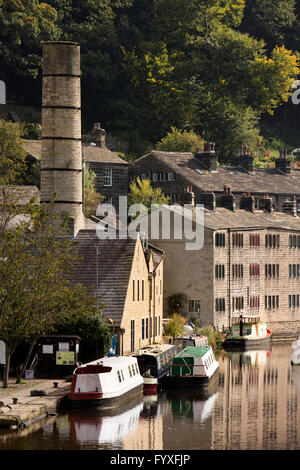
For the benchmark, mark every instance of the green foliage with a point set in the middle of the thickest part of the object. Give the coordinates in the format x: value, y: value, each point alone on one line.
x: 92, y: 199
x: 142, y: 193
x: 12, y: 155
x: 215, y: 338
x: 180, y: 141
x: 175, y: 326
x: 31, y: 130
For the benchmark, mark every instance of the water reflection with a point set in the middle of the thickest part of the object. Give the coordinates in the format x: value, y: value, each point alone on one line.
x: 253, y: 404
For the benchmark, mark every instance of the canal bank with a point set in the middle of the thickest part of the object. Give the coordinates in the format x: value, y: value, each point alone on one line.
x: 23, y: 404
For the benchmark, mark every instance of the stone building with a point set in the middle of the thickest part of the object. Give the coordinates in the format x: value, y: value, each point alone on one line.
x: 249, y: 263
x: 174, y: 171
x: 128, y: 279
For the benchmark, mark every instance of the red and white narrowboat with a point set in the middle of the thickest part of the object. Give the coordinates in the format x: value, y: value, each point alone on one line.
x: 106, y: 382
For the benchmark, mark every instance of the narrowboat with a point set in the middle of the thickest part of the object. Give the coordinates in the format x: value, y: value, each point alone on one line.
x: 192, y: 367
x: 106, y: 382
x: 190, y: 340
x: 154, y: 364
x: 247, y: 333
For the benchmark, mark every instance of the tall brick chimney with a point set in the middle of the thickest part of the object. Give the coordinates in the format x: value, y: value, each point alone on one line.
x: 61, y: 161
x: 227, y: 199
x: 188, y: 196
x: 207, y: 158
x: 243, y: 159
x: 283, y: 164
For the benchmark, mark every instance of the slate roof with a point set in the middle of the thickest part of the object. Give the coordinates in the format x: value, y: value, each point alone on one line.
x: 261, y: 180
x: 223, y: 218
x: 91, y: 153
x: 22, y: 194
x: 114, y: 268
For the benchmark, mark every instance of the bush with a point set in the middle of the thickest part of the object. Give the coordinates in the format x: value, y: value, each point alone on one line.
x: 180, y: 141
x: 175, y: 326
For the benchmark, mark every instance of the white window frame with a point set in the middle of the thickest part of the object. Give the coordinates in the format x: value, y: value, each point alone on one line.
x: 107, y: 177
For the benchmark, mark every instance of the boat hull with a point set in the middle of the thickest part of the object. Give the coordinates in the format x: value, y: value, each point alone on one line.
x: 246, y: 344
x: 94, y: 399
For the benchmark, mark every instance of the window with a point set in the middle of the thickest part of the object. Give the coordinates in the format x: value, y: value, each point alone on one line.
x: 133, y: 290
x: 294, y: 270
x: 237, y: 240
x: 143, y: 290
x: 107, y: 177
x: 254, y: 270
x: 174, y: 198
x: 194, y: 306
x: 143, y: 328
x: 272, y: 241
x: 132, y: 333
x: 271, y: 271
x: 154, y: 177
x: 294, y: 300
x: 143, y: 176
x: 155, y: 326
x: 220, y: 305
x: 237, y: 271
x: 254, y: 302
x: 237, y: 303
x: 220, y: 239
x: 170, y: 177
x: 138, y: 290
x: 220, y: 271
x: 147, y: 328
x: 130, y: 373
x: 271, y: 301
x: 294, y: 241
x: 107, y: 200
x: 119, y: 376
x: 254, y: 241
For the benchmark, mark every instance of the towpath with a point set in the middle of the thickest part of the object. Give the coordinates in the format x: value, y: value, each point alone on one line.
x: 28, y: 408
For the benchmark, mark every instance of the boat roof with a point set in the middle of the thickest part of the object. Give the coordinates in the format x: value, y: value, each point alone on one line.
x: 194, y: 351
x: 155, y: 349
x: 113, y: 361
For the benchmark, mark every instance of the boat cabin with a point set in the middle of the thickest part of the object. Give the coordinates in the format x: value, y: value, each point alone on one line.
x: 194, y: 362
x: 154, y: 361
x: 190, y: 340
x: 249, y: 326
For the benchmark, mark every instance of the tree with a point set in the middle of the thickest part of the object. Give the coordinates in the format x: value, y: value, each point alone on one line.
x: 12, y: 155
x: 181, y: 141
x: 92, y: 199
x: 176, y: 302
x: 141, y: 192
x: 36, y: 271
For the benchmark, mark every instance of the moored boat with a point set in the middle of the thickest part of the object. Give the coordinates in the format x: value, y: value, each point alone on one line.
x: 192, y: 367
x: 190, y: 340
x: 154, y: 364
x: 247, y: 333
x: 295, y: 360
x: 106, y: 382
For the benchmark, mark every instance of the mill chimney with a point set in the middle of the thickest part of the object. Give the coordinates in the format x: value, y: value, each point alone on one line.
x: 61, y: 161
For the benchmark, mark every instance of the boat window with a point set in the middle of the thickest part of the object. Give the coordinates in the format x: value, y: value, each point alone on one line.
x: 130, y: 373
x: 133, y: 371
x: 119, y: 376
x: 136, y: 368
x: 122, y: 374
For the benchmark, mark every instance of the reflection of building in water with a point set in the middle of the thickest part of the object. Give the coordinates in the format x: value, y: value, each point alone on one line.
x: 148, y: 433
x: 258, y: 408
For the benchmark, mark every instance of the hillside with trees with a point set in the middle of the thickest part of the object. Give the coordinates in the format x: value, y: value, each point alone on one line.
x: 220, y: 68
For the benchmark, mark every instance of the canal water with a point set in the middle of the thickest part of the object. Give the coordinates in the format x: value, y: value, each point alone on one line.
x: 253, y: 404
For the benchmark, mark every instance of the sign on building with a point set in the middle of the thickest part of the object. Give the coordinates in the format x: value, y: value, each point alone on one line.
x: 2, y: 352
x: 2, y: 92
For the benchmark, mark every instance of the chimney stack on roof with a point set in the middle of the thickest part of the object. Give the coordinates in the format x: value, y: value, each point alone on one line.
x: 265, y: 203
x: 243, y: 159
x: 290, y: 206
x: 247, y: 202
x: 208, y: 158
x: 283, y: 164
x: 98, y: 135
x: 208, y: 199
x: 227, y: 199
x: 188, y: 196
